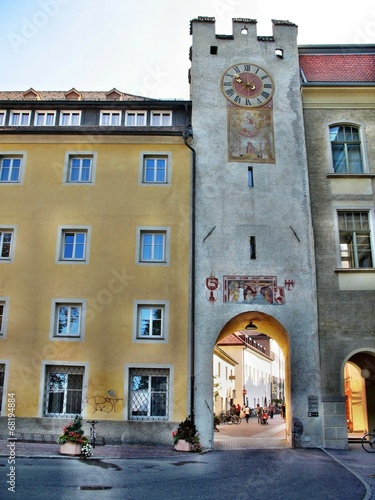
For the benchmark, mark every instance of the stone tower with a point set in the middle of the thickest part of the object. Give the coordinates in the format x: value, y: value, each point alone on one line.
x: 253, y: 244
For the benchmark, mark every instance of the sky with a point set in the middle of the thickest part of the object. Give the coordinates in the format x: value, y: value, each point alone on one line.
x: 141, y: 47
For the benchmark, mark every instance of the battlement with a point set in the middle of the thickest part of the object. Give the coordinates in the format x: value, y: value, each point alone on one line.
x: 205, y: 26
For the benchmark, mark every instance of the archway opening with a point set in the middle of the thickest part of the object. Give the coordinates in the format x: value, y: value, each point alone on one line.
x: 359, y: 387
x: 251, y: 369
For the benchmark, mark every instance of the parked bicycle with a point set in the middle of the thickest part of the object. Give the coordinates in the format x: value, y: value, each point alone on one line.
x: 368, y: 442
x: 229, y: 418
x: 92, y: 431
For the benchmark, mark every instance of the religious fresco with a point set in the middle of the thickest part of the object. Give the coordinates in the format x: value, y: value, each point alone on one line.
x: 250, y: 135
x: 260, y: 290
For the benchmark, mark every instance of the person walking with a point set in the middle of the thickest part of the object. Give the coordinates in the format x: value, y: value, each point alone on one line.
x: 259, y: 411
x: 246, y: 411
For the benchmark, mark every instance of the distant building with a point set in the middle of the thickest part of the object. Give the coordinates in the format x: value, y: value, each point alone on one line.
x: 258, y: 372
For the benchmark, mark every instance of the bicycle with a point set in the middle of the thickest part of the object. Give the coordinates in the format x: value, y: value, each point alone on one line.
x: 368, y: 442
x: 229, y: 418
x: 92, y: 431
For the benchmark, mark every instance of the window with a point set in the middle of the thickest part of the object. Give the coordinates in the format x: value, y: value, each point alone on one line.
x: 148, y: 394
x: 63, y: 390
x: 6, y: 241
x: 135, y: 118
x: 346, y: 149
x: 110, y: 118
x: 3, y: 316
x: 355, y: 239
x: 80, y: 168
x: 250, y: 177
x: 73, y: 244
x: 10, y: 168
x: 2, y: 118
x: 44, y: 118
x: 70, y: 118
x: 20, y: 118
x: 161, y: 118
x: 153, y: 246
x: 68, y: 319
x: 155, y: 170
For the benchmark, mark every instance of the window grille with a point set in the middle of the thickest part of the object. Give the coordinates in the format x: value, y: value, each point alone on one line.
x: 63, y: 390
x: 148, y: 394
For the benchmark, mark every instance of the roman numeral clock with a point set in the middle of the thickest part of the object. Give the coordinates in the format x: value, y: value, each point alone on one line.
x: 249, y: 90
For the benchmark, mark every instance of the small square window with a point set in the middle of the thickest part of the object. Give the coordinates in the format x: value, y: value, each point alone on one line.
x: 110, y: 118
x: 155, y: 170
x: 6, y: 244
x: 153, y: 246
x: 80, y: 169
x: 10, y: 168
x: 44, y: 118
x: 3, y: 316
x: 20, y: 118
x: 73, y: 245
x: 135, y: 118
x: 150, y: 322
x: 161, y: 118
x: 68, y: 320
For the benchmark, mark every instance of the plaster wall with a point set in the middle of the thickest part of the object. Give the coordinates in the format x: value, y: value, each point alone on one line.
x: 110, y: 282
x: 345, y: 296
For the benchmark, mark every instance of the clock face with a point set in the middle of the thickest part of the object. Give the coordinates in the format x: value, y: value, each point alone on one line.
x: 247, y: 84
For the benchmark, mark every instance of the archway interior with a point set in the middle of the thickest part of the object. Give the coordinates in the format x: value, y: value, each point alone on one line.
x: 271, y: 327
x: 359, y: 387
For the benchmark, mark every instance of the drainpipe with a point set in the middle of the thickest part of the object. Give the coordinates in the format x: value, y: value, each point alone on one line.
x: 187, y: 134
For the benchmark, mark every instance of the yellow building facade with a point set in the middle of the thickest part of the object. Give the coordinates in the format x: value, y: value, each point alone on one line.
x: 95, y: 244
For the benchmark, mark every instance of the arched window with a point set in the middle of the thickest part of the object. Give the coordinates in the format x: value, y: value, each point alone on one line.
x: 346, y: 149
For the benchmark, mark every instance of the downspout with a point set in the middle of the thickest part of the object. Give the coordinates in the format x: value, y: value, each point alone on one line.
x: 186, y: 134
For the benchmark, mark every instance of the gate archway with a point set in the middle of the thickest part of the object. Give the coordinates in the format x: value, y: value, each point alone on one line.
x: 260, y: 325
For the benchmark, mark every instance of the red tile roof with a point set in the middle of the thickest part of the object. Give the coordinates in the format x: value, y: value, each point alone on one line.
x: 338, y: 67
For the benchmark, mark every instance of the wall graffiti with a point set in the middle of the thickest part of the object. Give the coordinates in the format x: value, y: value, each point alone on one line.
x: 103, y: 403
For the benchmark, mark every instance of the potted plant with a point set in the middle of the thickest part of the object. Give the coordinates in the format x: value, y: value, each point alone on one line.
x: 72, y: 439
x: 186, y: 437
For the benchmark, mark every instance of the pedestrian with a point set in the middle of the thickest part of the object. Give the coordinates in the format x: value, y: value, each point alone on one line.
x: 246, y: 411
x: 238, y: 409
x: 270, y: 410
x: 259, y: 411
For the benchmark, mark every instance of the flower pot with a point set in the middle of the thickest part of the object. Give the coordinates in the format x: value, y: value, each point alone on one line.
x: 182, y: 446
x: 71, y: 448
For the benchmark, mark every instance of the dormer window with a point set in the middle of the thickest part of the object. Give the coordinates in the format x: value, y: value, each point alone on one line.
x: 70, y: 118
x: 31, y: 95
x: 114, y: 95
x: 73, y: 95
x: 161, y: 118
x: 110, y: 118
x: 20, y: 118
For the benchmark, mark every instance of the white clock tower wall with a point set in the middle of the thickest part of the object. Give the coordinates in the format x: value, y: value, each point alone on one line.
x: 275, y: 211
